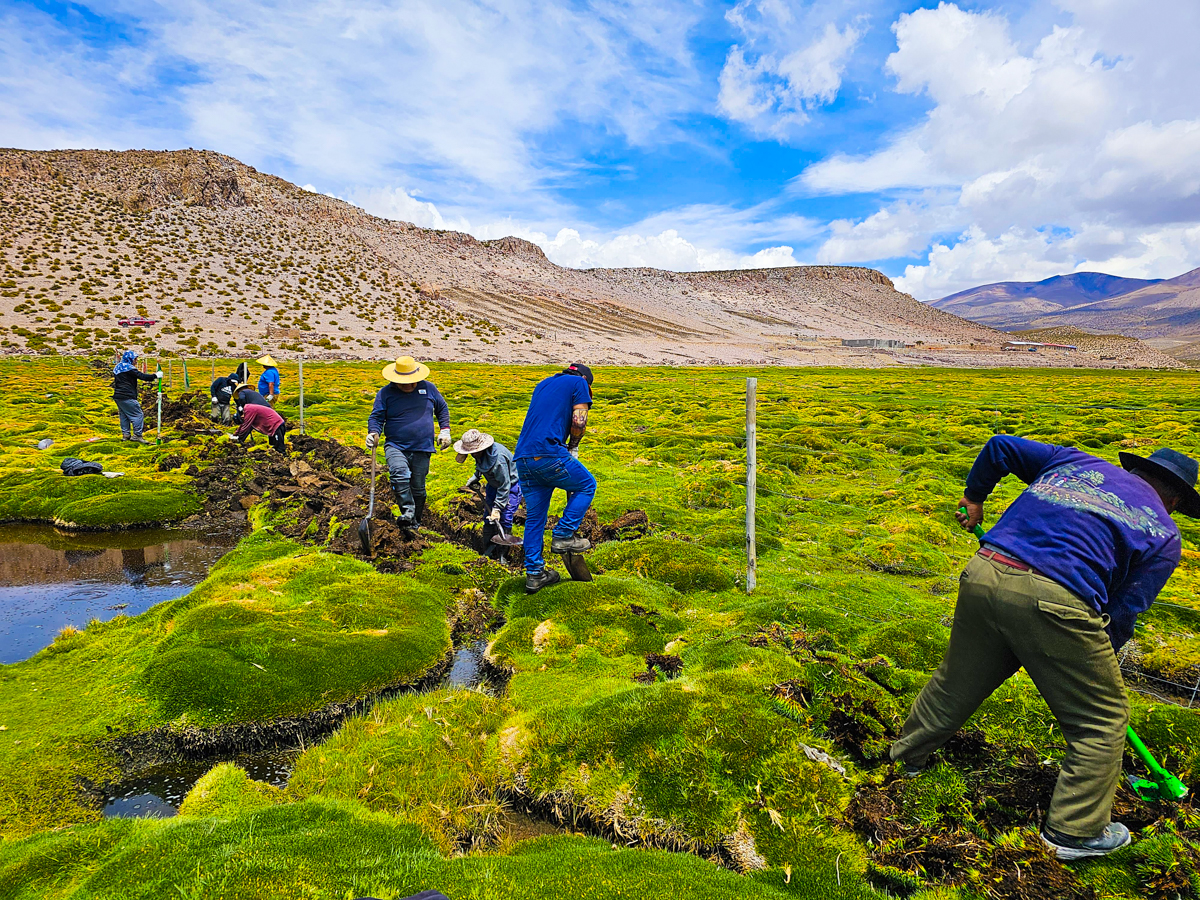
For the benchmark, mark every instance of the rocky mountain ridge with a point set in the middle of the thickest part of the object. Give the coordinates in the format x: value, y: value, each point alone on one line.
x: 232, y: 260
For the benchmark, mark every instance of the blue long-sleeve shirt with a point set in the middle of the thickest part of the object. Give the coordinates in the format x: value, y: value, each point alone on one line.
x: 406, y: 419
x: 497, y: 466
x: 1099, y: 531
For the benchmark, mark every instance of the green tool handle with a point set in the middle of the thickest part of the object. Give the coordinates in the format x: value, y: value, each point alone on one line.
x: 1144, y: 753
x: 978, y: 529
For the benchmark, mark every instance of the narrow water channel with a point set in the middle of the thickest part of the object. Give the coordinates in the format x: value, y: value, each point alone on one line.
x: 158, y: 792
x: 50, y: 579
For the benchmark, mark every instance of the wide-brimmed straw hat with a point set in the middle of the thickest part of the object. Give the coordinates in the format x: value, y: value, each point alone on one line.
x: 472, y: 441
x: 267, y: 360
x: 1173, y: 467
x: 406, y: 370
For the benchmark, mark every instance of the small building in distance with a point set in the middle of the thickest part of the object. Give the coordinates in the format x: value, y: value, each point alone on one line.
x: 873, y: 343
x: 1034, y: 346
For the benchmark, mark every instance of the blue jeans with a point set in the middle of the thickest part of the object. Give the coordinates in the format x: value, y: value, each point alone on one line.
x: 539, y: 478
x: 407, y: 471
x: 131, y: 417
x: 511, y: 504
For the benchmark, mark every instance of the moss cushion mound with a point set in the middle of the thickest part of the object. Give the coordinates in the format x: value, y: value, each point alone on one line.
x: 684, y: 566
x: 92, y: 501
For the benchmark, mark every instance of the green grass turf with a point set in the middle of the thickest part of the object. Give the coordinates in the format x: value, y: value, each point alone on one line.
x: 859, y: 475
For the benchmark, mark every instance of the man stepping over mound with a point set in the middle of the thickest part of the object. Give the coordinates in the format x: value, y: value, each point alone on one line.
x: 221, y: 390
x: 1056, y: 588
x: 547, y: 457
x: 493, y: 464
x: 404, y: 414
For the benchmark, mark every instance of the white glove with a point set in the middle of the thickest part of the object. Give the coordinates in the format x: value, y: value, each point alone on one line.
x: 158, y: 375
x: 574, y: 451
x: 444, y: 438
x: 232, y: 437
x: 473, y: 482
x: 372, y: 441
x: 494, y: 517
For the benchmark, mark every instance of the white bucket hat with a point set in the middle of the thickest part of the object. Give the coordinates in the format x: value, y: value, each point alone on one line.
x: 472, y: 441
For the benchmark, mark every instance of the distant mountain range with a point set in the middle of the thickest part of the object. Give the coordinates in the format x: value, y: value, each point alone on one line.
x: 1092, y: 301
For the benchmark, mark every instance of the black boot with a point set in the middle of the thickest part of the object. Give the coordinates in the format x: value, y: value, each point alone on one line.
x: 545, y: 578
x: 419, y: 504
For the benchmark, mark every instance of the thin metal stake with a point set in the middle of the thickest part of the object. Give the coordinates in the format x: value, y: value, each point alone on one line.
x: 301, y: 379
x: 751, y: 480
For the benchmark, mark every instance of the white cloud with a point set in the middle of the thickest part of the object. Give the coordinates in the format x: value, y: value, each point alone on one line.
x: 774, y: 79
x: 1076, y: 149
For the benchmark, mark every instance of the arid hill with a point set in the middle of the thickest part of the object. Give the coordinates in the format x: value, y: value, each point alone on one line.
x: 231, y: 260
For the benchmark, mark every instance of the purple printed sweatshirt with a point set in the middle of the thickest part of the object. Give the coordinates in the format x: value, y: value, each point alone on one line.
x: 1099, y: 531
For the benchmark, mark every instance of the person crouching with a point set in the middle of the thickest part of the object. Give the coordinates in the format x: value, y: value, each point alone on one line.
x: 502, y: 495
x: 264, y: 420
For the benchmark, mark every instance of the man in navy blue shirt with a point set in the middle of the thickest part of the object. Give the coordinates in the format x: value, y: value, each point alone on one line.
x: 1056, y: 588
x: 404, y: 414
x: 547, y: 457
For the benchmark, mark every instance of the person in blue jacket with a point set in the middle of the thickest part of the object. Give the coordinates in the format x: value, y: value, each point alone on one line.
x: 1056, y: 588
x: 547, y: 457
x: 269, y: 381
x: 404, y: 414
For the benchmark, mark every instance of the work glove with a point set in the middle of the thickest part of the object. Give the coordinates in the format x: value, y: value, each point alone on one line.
x: 574, y: 451
x: 232, y: 437
x: 158, y: 375
x: 494, y: 517
x: 444, y: 438
x: 473, y: 482
x: 372, y: 441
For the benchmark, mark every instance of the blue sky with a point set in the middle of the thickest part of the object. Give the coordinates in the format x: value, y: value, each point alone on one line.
x: 946, y: 144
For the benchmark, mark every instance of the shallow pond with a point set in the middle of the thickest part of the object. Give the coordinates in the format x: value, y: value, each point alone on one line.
x: 158, y: 791
x: 50, y: 579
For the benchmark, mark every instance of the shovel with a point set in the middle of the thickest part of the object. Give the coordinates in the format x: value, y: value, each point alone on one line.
x: 364, y: 527
x: 1161, y: 785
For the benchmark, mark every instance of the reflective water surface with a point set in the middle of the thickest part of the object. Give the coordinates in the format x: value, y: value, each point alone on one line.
x: 50, y: 579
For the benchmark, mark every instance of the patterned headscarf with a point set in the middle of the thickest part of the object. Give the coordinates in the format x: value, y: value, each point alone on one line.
x: 128, y: 362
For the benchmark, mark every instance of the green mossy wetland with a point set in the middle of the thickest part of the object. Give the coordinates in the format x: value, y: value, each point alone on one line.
x: 707, y: 742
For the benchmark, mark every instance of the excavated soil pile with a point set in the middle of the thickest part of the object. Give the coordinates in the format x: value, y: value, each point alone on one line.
x: 176, y: 411
x: 943, y: 828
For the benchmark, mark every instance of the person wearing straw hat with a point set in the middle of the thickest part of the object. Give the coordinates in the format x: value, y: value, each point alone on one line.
x: 493, y: 464
x: 1056, y: 587
x: 268, y: 381
x: 244, y: 395
x: 404, y: 413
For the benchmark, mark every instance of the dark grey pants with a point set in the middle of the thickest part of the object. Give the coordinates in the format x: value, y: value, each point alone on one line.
x: 407, y: 471
x: 132, y: 418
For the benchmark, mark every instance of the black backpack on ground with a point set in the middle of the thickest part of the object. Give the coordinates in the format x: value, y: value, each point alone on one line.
x: 73, y: 466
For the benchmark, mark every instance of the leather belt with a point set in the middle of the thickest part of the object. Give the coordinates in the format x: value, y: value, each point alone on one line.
x: 996, y: 556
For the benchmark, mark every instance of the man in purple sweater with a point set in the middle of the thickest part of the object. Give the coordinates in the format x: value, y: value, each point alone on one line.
x: 1055, y: 588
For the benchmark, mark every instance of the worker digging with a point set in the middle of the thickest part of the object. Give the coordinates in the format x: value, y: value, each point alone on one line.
x: 125, y: 393
x: 261, y: 418
x: 404, y: 414
x: 547, y: 457
x: 1056, y: 588
x: 269, y: 381
x: 221, y: 391
x: 494, y: 465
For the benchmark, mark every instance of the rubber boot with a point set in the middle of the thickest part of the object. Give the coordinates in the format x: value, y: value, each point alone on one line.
x: 419, y: 504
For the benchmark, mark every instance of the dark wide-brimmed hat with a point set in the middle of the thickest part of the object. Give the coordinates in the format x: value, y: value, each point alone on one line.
x: 1177, y: 469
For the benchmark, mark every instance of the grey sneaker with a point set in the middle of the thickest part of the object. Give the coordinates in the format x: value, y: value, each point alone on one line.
x: 545, y: 578
x: 1113, y: 837
x: 908, y: 770
x: 570, y: 545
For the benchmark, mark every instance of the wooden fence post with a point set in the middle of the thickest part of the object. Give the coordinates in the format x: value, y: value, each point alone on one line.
x: 751, y: 481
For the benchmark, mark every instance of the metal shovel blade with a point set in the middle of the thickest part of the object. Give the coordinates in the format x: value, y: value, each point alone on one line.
x: 577, y: 566
x: 364, y: 527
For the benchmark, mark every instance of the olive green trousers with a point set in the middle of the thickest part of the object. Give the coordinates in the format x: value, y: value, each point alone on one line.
x: 1007, y: 619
